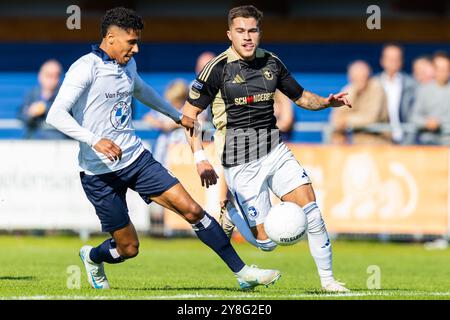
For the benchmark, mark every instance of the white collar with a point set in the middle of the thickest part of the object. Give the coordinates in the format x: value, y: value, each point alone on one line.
x: 397, y: 77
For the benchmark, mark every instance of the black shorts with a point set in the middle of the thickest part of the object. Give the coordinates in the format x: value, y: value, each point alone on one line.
x: 107, y: 192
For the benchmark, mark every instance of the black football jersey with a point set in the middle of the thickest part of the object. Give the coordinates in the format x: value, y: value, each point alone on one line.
x: 241, y: 94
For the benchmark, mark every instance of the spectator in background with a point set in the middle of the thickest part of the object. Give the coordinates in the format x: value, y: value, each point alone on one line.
x: 176, y: 94
x: 423, y: 70
x: 368, y: 107
x: 431, y: 115
x: 202, y: 60
x: 400, y: 89
x: 431, y: 112
x: 284, y: 114
x: 205, y: 118
x: 38, y: 100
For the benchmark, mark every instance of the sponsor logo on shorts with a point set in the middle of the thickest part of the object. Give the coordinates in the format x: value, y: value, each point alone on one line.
x: 252, y: 213
x: 304, y: 174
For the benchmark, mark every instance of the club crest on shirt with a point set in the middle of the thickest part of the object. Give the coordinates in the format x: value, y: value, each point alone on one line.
x: 267, y: 74
x: 120, y: 115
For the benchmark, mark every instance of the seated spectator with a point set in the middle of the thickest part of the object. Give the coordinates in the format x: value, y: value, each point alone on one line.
x: 431, y: 112
x: 176, y: 94
x: 423, y: 70
x: 285, y: 115
x: 368, y: 101
x: 399, y: 87
x: 38, y: 100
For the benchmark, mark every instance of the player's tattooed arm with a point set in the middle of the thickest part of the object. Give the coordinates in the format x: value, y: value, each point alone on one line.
x: 312, y: 101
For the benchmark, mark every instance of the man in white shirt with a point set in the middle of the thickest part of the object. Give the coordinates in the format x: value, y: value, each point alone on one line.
x: 97, y: 90
x: 399, y: 87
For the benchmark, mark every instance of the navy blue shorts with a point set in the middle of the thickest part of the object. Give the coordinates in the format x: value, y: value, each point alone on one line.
x: 107, y: 191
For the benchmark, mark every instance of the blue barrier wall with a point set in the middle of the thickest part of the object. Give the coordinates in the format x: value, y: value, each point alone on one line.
x: 318, y: 67
x: 180, y: 57
x: 14, y: 85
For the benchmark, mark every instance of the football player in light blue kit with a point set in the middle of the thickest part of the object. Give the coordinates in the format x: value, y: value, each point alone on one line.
x: 93, y: 107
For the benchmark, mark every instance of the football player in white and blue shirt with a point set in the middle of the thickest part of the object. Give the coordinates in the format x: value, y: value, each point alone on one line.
x: 93, y: 106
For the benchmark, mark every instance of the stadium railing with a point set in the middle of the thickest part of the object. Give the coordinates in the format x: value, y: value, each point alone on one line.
x: 410, y: 130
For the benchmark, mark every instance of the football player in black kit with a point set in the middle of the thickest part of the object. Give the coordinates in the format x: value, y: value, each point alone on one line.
x: 239, y: 85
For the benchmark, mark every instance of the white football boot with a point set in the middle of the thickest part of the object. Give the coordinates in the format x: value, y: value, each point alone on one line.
x: 253, y: 276
x: 335, y: 286
x: 95, y: 271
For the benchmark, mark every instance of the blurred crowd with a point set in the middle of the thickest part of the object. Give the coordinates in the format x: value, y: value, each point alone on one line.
x: 391, y: 107
x: 394, y: 107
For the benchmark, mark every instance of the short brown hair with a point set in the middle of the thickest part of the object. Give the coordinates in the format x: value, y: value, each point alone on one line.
x: 247, y: 11
x: 392, y: 45
x: 440, y: 54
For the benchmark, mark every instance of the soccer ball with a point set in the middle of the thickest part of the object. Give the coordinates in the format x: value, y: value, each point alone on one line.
x: 285, y: 223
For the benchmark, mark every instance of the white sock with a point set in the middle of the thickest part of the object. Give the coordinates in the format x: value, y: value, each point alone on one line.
x: 242, y: 272
x: 319, y: 243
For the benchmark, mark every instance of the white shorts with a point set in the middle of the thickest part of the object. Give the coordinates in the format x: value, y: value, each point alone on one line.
x: 249, y: 183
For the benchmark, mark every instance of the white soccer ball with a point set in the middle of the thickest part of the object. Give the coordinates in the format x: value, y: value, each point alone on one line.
x: 286, y: 223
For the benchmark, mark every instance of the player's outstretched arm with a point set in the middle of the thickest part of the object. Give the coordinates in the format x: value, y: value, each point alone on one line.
x: 312, y: 101
x: 148, y: 96
x: 208, y: 175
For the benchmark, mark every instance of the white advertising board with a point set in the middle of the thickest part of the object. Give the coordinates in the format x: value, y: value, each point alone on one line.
x: 40, y: 188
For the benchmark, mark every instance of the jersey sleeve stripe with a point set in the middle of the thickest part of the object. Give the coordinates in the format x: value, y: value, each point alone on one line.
x: 276, y: 57
x: 204, y: 75
x: 208, y: 65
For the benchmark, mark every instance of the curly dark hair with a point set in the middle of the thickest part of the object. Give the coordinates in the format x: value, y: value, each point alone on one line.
x: 122, y: 17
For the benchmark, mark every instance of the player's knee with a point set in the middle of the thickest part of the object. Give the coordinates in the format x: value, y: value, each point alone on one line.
x: 129, y: 250
x: 194, y: 213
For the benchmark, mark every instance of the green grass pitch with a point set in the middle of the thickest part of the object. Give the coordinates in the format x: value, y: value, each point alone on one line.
x: 41, y: 267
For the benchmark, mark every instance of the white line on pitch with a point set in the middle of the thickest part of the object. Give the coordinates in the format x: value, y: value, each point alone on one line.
x: 244, y: 296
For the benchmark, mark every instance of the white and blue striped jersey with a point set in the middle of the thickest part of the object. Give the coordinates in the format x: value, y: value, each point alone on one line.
x: 94, y: 102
